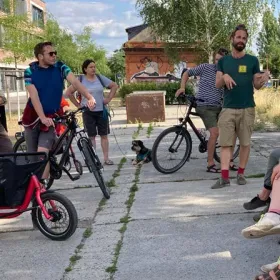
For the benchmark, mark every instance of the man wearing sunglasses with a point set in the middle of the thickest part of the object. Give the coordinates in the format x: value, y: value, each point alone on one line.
x: 44, y: 81
x: 238, y: 73
x: 210, y: 108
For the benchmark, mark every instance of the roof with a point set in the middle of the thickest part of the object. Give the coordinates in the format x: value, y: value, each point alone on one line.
x: 135, y: 30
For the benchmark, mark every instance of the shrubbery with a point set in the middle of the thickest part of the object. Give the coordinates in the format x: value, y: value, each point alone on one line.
x: 170, y: 89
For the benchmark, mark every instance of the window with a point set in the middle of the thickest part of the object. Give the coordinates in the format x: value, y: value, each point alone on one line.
x: 37, y: 16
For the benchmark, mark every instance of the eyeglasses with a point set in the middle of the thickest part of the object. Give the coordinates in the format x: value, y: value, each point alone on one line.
x: 52, y: 53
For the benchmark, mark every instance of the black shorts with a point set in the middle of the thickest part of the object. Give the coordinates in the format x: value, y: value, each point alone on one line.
x: 95, y: 123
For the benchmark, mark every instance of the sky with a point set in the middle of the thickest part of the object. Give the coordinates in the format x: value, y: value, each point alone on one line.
x: 109, y: 19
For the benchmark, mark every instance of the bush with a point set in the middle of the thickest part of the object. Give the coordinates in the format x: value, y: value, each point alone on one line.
x: 170, y: 89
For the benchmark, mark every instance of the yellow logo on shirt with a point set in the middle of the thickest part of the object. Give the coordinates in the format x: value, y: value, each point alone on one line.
x: 242, y: 69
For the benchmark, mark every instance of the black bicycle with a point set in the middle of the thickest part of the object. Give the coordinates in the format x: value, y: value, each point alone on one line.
x: 63, y: 146
x: 173, y: 146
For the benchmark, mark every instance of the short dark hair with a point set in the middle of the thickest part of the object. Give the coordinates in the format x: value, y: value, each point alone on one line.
x: 39, y: 48
x: 239, y: 27
x: 222, y: 51
x: 86, y: 63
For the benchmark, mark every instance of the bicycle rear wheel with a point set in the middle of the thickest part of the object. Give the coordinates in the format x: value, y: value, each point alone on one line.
x: 171, y: 149
x: 94, y: 165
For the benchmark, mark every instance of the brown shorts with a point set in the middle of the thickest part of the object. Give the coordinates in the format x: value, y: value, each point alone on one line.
x: 236, y: 122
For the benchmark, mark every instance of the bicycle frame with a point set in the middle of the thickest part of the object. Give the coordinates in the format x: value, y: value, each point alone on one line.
x: 187, y: 120
x: 34, y: 190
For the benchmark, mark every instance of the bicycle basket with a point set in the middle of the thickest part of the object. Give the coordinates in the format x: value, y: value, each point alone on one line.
x: 15, y: 172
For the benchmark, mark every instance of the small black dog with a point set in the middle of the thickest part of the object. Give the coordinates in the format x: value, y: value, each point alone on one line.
x: 143, y: 154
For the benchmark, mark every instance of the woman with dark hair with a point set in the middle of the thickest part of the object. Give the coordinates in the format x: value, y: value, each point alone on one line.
x: 95, y: 121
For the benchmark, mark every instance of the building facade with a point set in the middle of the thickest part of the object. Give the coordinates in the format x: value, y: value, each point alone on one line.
x: 145, y: 57
x: 36, y: 10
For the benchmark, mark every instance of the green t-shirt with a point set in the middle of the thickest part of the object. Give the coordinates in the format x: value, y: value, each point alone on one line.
x: 242, y: 71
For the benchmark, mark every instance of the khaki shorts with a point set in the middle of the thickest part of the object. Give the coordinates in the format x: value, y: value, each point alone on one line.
x: 236, y: 122
x: 209, y: 115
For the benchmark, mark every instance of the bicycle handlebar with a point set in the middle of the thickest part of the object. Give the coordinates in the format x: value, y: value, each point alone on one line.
x: 190, y: 98
x: 70, y: 114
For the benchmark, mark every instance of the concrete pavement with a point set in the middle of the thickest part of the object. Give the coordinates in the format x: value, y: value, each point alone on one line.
x: 175, y: 227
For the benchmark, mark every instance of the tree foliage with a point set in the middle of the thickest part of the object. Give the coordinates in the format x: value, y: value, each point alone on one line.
x: 116, y: 64
x: 269, y: 43
x: 203, y: 24
x: 19, y: 34
x: 73, y: 49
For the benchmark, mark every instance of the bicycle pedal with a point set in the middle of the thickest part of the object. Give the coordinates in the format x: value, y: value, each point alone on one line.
x: 75, y: 178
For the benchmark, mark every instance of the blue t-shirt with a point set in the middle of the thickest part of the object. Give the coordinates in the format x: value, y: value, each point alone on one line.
x: 95, y: 88
x: 49, y: 83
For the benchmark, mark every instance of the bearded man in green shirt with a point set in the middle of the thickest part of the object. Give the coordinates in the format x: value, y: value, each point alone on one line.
x: 239, y: 73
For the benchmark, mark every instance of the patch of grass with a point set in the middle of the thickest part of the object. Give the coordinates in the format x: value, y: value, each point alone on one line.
x: 80, y: 246
x: 111, y: 183
x: 113, y: 268
x: 150, y: 129
x: 83, y: 187
x: 87, y: 233
x: 125, y: 219
x: 102, y: 203
x: 259, y: 175
x: 75, y: 258
x: 68, y: 268
x: 123, y: 228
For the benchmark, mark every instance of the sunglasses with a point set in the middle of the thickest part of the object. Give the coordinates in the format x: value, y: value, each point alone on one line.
x: 52, y: 53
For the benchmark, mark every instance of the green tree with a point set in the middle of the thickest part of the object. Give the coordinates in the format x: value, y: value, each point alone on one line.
x: 268, y: 43
x: 116, y: 64
x: 19, y: 34
x: 202, y: 24
x: 73, y: 49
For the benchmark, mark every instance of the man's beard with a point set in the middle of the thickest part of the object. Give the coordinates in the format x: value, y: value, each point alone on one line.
x: 239, y: 46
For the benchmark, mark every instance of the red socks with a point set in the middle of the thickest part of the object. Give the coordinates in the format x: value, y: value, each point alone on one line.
x: 225, y: 174
x: 240, y: 170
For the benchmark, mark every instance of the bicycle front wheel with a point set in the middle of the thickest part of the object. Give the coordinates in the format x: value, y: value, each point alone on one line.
x: 171, y: 149
x: 94, y: 165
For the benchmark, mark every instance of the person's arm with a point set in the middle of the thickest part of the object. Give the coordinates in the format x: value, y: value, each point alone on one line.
x: 220, y: 83
x: 182, y: 88
x: 260, y: 79
x: 113, y: 89
x: 70, y: 94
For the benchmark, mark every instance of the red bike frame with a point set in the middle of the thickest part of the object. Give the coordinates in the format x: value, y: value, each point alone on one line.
x: 35, y: 188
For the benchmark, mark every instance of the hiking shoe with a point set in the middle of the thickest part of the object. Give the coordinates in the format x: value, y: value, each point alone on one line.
x: 255, y: 203
x: 221, y: 183
x: 268, y: 267
x: 257, y: 217
x: 269, y: 224
x: 241, y: 179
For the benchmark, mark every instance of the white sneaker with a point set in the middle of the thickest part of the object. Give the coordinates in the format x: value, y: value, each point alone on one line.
x: 268, y: 267
x: 269, y: 224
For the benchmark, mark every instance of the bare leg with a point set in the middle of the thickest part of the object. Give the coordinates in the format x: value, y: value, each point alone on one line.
x: 226, y: 153
x: 105, y: 146
x: 46, y: 173
x: 244, y: 156
x: 93, y: 141
x: 214, y: 133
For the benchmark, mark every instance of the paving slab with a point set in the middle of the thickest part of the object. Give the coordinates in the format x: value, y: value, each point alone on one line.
x: 209, y: 247
x: 195, y: 198
x: 31, y: 256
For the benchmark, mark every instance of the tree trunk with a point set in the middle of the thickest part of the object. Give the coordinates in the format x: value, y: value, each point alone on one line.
x: 210, y: 57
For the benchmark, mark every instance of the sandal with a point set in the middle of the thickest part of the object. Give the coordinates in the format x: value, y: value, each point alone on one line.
x: 213, y: 169
x: 108, y: 162
x: 272, y: 275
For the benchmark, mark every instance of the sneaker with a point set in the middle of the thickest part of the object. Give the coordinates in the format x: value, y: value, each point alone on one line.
x: 255, y: 203
x: 257, y: 217
x: 241, y: 179
x: 268, y: 267
x: 269, y: 224
x: 221, y: 183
